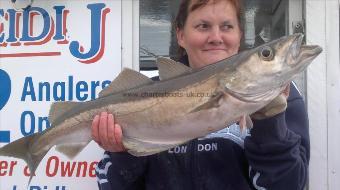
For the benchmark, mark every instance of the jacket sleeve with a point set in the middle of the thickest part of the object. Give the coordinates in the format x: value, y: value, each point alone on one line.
x: 120, y: 171
x: 278, y: 148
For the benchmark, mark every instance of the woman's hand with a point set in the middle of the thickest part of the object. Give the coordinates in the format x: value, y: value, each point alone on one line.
x: 278, y: 105
x: 107, y: 133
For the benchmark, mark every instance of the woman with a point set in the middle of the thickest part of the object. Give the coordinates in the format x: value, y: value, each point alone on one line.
x: 273, y: 156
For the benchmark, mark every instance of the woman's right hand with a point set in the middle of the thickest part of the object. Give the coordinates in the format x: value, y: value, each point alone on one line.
x: 107, y: 133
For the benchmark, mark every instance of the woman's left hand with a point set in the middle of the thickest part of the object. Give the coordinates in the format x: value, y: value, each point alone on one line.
x: 276, y: 106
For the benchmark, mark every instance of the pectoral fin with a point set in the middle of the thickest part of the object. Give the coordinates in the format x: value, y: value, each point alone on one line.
x: 213, y: 102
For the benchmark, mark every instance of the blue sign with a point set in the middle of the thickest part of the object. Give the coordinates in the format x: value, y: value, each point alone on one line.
x: 5, y: 92
x: 5, y: 137
x: 5, y: 88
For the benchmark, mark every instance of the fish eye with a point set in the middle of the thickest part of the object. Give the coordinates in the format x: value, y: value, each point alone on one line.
x: 267, y: 53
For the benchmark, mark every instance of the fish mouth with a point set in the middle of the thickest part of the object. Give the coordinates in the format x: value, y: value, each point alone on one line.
x: 303, y: 53
x: 295, y: 48
x: 309, y: 51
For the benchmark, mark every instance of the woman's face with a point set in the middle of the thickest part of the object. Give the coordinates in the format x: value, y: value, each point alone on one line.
x: 211, y: 33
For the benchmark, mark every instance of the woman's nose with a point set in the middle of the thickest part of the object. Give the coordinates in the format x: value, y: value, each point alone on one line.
x: 215, y: 36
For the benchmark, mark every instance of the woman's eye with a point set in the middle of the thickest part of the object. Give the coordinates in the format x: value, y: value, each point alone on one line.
x: 227, y: 27
x: 202, y: 26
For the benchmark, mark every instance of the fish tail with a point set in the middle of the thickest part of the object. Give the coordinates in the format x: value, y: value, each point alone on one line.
x: 21, y: 149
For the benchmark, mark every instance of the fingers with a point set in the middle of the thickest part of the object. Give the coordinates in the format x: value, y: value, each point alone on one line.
x: 242, y: 122
x: 118, y: 136
x: 107, y: 133
x: 111, y: 130
x: 286, y: 91
x: 94, y: 129
x: 103, y: 125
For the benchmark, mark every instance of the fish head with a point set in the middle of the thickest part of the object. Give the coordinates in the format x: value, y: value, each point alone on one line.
x: 264, y: 71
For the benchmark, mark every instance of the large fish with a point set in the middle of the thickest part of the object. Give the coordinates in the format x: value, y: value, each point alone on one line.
x: 186, y: 104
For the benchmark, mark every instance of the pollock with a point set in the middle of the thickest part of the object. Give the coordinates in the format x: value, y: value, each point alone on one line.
x: 185, y: 104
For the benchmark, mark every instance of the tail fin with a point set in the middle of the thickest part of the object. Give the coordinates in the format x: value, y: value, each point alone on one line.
x: 21, y: 149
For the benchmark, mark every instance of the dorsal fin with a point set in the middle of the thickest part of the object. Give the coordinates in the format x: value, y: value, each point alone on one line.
x: 169, y: 68
x: 59, y: 108
x: 127, y: 79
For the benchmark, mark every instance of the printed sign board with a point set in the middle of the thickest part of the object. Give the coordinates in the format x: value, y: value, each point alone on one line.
x: 54, y: 51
